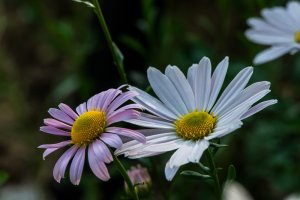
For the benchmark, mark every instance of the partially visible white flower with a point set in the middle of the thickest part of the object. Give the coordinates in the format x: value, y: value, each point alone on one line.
x: 235, y: 191
x: 293, y: 197
x: 190, y: 112
x: 279, y: 28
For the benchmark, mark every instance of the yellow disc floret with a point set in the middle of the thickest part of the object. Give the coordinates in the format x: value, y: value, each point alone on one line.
x: 88, y: 127
x: 195, y: 125
x: 297, y: 36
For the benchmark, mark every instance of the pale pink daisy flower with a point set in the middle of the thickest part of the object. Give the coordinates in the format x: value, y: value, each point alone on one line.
x: 90, y: 128
x: 189, y: 113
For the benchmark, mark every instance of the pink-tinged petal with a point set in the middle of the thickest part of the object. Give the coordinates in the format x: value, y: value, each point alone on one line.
x: 53, y: 147
x: 92, y: 102
x: 60, y: 115
x: 102, y: 151
x: 57, y: 124
x: 81, y: 108
x: 57, y: 145
x: 127, y: 133
x: 48, y: 151
x: 124, y: 115
x: 62, y: 163
x: 69, y: 111
x: 111, y: 139
x: 54, y: 131
x: 97, y: 166
x: 77, y: 166
x: 109, y: 96
x: 99, y: 101
x: 122, y: 98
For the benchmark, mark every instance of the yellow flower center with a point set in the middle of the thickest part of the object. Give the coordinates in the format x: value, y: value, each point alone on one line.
x: 297, y: 36
x: 195, y: 125
x: 87, y: 127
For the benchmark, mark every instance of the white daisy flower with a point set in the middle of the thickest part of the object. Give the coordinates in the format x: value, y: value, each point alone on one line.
x: 188, y: 114
x: 279, y: 28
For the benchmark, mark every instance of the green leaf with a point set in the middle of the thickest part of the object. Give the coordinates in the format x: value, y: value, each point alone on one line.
x: 87, y: 3
x: 231, y: 173
x: 203, y: 167
x: 218, y: 145
x: 195, y: 174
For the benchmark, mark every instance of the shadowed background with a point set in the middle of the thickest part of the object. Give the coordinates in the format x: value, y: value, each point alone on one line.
x: 52, y: 52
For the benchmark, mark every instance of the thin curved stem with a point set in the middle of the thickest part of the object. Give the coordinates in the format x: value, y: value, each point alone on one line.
x: 214, y: 172
x: 112, y: 47
x: 123, y: 172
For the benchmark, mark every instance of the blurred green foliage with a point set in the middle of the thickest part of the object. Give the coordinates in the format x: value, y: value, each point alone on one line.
x: 56, y: 52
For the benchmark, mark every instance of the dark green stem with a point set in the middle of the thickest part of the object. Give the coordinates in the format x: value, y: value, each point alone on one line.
x: 214, y: 172
x: 123, y: 172
x: 113, y: 49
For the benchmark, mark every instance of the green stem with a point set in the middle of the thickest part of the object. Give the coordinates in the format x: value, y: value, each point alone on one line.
x: 214, y: 172
x: 111, y: 45
x: 123, y: 172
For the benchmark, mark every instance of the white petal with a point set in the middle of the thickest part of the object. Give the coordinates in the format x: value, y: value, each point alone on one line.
x: 269, y: 39
x: 131, y: 146
x: 183, y: 87
x: 258, y: 108
x: 262, y: 26
x: 167, y: 93
x: 198, y: 149
x: 271, y: 54
x: 152, y: 104
x: 217, y: 81
x: 246, y: 94
x: 233, y: 89
x: 181, y: 155
x: 151, y: 121
x: 294, y: 11
x: 199, y: 75
x: 230, y: 128
x: 170, y: 172
x: 276, y: 19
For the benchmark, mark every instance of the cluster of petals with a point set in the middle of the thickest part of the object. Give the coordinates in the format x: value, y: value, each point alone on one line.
x: 98, y: 152
x: 179, y: 96
x: 278, y: 28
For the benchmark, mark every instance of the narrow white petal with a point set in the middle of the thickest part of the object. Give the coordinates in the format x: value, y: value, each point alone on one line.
x: 217, y: 81
x: 152, y: 104
x: 233, y: 89
x: 170, y: 171
x: 294, y: 11
x: 165, y: 90
x: 261, y: 25
x: 157, y: 138
x: 271, y: 54
x: 258, y: 108
x: 182, y: 85
x: 218, y: 134
x: 181, y: 155
x: 203, y: 84
x: 249, y: 101
x: 276, y: 20
x: 151, y: 121
x: 246, y: 94
x: 269, y: 39
x: 198, y: 149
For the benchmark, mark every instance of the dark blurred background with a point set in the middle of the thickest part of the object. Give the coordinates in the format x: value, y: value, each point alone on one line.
x: 55, y: 51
